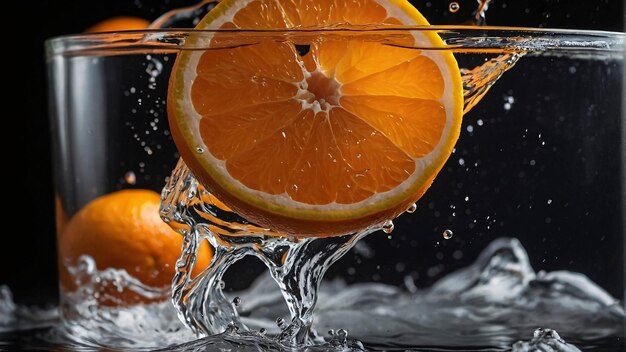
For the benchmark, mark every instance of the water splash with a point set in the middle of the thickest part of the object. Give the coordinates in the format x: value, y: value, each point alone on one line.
x: 500, y: 296
x: 296, y: 264
x: 544, y: 340
x: 96, y: 315
x: 14, y: 317
x: 496, y: 301
x: 478, y: 81
x: 480, y: 13
x: 493, y: 302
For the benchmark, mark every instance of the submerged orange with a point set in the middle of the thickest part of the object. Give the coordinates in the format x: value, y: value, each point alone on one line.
x: 318, y: 134
x: 123, y: 230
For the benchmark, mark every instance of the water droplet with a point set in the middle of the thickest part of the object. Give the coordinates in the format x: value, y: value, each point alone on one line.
x: 294, y: 187
x: 537, y: 333
x: 454, y: 7
x: 280, y: 322
x: 262, y: 331
x: 222, y: 284
x: 412, y: 208
x: 447, y: 234
x: 130, y: 178
x: 237, y: 301
x: 388, y: 226
x: 342, y: 334
x: 200, y: 150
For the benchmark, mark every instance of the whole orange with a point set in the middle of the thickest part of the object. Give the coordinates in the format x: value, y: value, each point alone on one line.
x: 120, y: 23
x: 123, y: 230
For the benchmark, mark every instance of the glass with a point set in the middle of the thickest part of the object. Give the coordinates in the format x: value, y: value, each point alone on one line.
x: 523, y: 227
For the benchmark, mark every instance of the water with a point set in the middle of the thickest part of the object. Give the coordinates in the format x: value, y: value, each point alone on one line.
x: 485, y: 306
x: 298, y: 264
x: 473, y: 309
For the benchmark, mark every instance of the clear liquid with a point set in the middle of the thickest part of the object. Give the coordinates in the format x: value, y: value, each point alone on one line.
x: 527, y: 165
x: 488, y: 306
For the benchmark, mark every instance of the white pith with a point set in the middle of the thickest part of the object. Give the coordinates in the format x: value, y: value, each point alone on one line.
x: 284, y: 200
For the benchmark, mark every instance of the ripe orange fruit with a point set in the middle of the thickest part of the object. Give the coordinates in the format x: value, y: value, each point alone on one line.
x: 328, y: 140
x: 123, y: 230
x: 121, y: 23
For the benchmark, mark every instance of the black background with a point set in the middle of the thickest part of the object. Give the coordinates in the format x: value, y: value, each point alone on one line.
x: 27, y: 255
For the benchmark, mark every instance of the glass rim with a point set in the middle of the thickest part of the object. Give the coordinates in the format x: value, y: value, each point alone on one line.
x: 456, y: 38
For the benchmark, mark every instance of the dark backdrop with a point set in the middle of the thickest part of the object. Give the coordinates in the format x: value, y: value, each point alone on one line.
x: 27, y: 255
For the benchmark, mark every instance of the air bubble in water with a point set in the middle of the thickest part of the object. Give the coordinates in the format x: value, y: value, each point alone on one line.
x: 154, y: 68
x: 130, y: 178
x: 388, y: 226
x: 237, y: 301
x: 454, y: 7
x: 447, y: 234
x: 411, y: 209
x: 200, y: 150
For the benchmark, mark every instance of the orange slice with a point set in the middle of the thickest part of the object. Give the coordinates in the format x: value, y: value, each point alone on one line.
x: 326, y: 137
